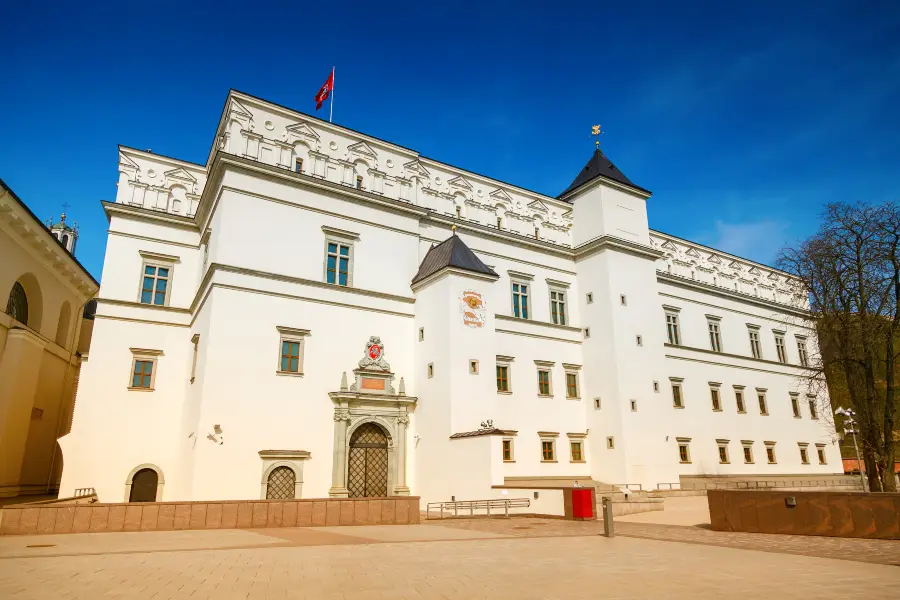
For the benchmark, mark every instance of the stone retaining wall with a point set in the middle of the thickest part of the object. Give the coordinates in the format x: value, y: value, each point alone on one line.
x: 836, y: 514
x: 236, y: 514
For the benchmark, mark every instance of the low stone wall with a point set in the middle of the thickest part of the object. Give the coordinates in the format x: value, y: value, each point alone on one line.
x: 236, y: 514
x: 836, y: 514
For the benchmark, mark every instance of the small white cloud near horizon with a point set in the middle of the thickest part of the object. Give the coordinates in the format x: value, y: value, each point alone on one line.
x: 759, y: 241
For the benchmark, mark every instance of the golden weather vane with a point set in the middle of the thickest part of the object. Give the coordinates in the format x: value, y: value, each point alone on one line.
x: 595, y: 130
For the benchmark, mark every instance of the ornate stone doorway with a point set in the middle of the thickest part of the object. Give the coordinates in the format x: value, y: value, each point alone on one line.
x: 367, y: 474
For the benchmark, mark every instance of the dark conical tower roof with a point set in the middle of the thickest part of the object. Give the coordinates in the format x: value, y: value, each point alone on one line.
x: 599, y: 166
x: 452, y: 252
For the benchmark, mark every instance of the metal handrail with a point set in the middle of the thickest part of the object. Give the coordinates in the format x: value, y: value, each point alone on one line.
x: 473, y: 505
x: 629, y: 486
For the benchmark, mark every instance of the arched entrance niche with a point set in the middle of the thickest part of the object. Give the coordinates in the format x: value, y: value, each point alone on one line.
x: 367, y: 461
x: 144, y: 484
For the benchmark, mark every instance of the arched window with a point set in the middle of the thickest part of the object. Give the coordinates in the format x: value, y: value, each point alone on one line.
x: 65, y: 240
x: 281, y: 484
x: 62, y: 325
x: 143, y: 486
x: 17, y: 305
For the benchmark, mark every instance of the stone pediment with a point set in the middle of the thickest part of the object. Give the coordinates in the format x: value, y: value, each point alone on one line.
x: 668, y: 245
x: 414, y: 166
x: 715, y: 259
x: 460, y: 182
x: 501, y: 196
x: 180, y: 174
x: 755, y: 271
x: 736, y: 266
x: 302, y: 131
x: 125, y: 161
x: 539, y: 206
x: 362, y: 148
x: 693, y: 253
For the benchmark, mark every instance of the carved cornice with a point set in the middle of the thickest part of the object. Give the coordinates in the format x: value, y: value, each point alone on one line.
x: 608, y: 242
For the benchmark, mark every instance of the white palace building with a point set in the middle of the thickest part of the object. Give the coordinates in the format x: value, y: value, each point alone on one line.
x: 316, y: 312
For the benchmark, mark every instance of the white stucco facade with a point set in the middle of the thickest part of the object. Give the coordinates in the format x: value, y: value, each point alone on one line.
x: 242, y: 243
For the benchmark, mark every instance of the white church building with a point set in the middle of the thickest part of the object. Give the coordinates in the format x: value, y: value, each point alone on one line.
x: 316, y: 312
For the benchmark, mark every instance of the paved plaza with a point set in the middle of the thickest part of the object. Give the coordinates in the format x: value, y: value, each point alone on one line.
x: 479, y: 558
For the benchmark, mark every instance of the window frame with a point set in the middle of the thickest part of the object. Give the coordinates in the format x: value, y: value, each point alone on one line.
x: 548, y: 437
x: 673, y: 332
x: 157, y: 262
x: 715, y: 396
x: 291, y: 335
x: 795, y: 405
x: 504, y: 362
x: 144, y: 355
x: 773, y: 459
x: 558, y: 317
x: 474, y: 367
x: 804, y: 452
x: 763, y: 402
x: 544, y: 366
x: 195, y: 341
x: 802, y: 350
x: 755, y: 344
x: 714, y: 328
x: 747, y: 449
x: 677, y: 383
x: 508, y: 441
x: 820, y: 454
x: 740, y: 399
x: 684, y: 443
x: 780, y: 347
x: 813, y: 406
x: 723, y: 445
x: 572, y: 371
x: 516, y: 308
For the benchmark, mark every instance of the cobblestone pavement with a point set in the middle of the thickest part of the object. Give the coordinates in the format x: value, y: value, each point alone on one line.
x: 504, y: 558
x: 885, y: 552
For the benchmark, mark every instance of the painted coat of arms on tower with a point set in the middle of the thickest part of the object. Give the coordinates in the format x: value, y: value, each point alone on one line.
x: 472, y: 307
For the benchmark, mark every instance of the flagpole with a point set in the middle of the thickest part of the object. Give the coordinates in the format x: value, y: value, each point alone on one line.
x: 331, y: 109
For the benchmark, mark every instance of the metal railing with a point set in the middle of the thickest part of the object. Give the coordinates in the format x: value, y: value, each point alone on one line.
x: 89, y: 491
x: 632, y: 487
x: 756, y: 485
x: 468, y: 507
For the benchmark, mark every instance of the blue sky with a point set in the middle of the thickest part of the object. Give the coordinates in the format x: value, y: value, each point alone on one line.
x: 744, y: 120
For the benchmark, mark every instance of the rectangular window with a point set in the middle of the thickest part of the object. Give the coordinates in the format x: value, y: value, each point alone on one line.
x: 755, y: 348
x: 421, y: 334
x: 337, y: 263
x: 575, y: 449
x: 739, y: 400
x: 298, y: 165
x: 715, y: 335
x: 507, y: 450
x: 359, y: 184
x: 672, y: 329
x: 795, y: 405
x: 634, y: 406
x: 520, y: 300
x: 143, y: 369
x: 770, y: 453
x: 723, y: 453
x: 155, y: 286
x: 656, y: 386
x: 716, y: 399
x: 143, y: 374
x: 623, y: 300
x: 290, y: 359
x: 430, y: 370
x: 590, y: 298
x: 610, y: 443
x: 748, y: 452
x: 779, y: 348
x: 558, y: 307
x: 639, y: 340
x: 473, y: 367
x: 801, y: 352
x: 587, y: 332
x: 820, y: 452
x: 804, y: 454
x: 571, y: 385
x: 543, y: 382
x: 677, y: 398
x: 195, y: 340
x: 547, y: 450
x: 596, y: 403
x: 763, y: 408
x: 684, y: 452
x: 502, y: 378
x: 813, y: 410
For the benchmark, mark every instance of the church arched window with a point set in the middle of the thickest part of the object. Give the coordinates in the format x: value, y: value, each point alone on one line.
x: 65, y: 240
x: 17, y: 304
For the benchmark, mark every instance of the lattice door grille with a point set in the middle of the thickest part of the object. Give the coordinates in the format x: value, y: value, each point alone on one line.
x: 281, y: 485
x: 368, y: 462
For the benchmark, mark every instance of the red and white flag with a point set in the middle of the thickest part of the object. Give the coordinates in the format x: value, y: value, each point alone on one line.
x: 325, y: 90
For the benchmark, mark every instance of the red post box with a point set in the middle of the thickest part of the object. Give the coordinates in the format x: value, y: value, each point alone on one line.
x: 582, y: 503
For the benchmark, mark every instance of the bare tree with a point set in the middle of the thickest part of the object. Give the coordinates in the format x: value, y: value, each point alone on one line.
x: 851, y: 270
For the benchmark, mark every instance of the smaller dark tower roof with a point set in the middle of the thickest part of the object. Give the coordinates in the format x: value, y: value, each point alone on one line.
x: 599, y: 166
x: 452, y: 252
